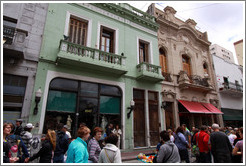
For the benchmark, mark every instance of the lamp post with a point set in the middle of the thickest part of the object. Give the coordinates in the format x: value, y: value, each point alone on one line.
x: 38, y: 95
x: 131, y: 108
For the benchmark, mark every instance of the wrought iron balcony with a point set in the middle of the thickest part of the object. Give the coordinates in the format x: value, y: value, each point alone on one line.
x: 8, y: 34
x: 149, y: 72
x: 232, y: 89
x: 86, y: 57
x: 194, y: 82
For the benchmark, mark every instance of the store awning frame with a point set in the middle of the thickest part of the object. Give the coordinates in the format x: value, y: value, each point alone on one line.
x: 212, y: 108
x: 195, y: 107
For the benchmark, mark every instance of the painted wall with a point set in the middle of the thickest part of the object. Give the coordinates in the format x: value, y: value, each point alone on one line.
x: 128, y: 34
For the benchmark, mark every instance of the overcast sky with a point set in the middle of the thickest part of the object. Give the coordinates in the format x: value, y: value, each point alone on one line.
x: 223, y: 21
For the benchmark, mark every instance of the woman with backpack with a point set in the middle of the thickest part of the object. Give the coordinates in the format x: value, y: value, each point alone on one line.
x: 47, y: 150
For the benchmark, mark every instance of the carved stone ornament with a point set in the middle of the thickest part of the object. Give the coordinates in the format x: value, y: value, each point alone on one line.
x: 214, y: 102
x: 169, y: 94
x: 183, y: 77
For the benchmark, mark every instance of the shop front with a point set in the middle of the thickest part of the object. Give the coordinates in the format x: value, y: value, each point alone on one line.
x: 73, y: 102
x: 197, y: 113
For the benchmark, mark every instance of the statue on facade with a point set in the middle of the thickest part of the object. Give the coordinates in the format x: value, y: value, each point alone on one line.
x: 69, y: 122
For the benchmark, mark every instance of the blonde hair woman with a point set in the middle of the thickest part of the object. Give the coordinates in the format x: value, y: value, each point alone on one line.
x: 77, y: 150
x: 45, y: 153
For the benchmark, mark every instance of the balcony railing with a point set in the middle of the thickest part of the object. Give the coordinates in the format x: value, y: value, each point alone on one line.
x: 149, y: 72
x: 198, y: 80
x: 95, y: 54
x: 90, y: 58
x: 8, y: 34
x: 233, y: 86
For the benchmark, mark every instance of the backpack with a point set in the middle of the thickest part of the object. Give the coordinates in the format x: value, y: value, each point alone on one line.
x: 15, y: 147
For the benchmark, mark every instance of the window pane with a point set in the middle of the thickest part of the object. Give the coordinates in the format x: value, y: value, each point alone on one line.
x: 109, y: 105
x: 88, y: 105
x: 138, y: 94
x: 61, y: 101
x: 89, y: 89
x: 64, y: 84
x: 110, y: 90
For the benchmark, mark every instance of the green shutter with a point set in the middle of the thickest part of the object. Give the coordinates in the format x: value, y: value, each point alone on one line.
x: 61, y: 101
x: 231, y: 114
x: 109, y: 105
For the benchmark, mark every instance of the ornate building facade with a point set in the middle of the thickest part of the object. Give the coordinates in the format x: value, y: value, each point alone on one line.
x: 189, y: 89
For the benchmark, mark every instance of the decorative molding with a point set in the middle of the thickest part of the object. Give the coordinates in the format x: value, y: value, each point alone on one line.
x: 184, y: 98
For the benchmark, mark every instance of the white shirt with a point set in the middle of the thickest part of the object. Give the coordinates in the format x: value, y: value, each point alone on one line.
x: 68, y: 134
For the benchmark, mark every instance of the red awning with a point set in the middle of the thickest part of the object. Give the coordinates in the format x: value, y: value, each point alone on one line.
x: 194, y: 107
x: 212, y: 108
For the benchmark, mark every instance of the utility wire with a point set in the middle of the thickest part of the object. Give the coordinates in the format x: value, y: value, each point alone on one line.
x: 198, y: 7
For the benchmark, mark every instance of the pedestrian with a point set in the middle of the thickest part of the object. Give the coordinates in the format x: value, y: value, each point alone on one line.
x: 187, y: 135
x: 110, y: 153
x: 109, y: 129
x: 170, y: 132
x: 47, y: 149
x: 202, y: 139
x: 93, y: 147
x: 65, y: 130
x: 7, y: 127
x: 182, y: 144
x: 18, y: 148
x: 232, y: 136
x: 19, y: 129
x: 27, y: 136
x: 168, y: 152
x: 62, y: 143
x: 77, y: 150
x: 221, y: 148
x: 118, y: 132
x: 238, y: 149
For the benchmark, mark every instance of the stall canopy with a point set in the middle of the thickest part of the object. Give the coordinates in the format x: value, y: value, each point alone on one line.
x: 195, y: 107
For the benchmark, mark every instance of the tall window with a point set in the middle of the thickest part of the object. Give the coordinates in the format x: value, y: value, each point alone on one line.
x: 186, y: 64
x: 205, y: 69
x: 107, y: 40
x: 14, y: 88
x: 163, y: 60
x: 78, y: 31
x: 143, y: 52
x: 9, y: 25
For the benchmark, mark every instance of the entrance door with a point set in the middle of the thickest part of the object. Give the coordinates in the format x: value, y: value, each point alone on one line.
x: 153, y: 118
x: 169, y: 116
x: 139, y: 119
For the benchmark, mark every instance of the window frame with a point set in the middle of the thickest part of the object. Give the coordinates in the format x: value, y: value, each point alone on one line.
x: 111, y: 37
x: 77, y: 16
x: 116, y: 36
x: 150, y: 52
x: 185, y: 56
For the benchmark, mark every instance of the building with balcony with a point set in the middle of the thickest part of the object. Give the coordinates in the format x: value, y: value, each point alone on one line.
x: 23, y: 26
x: 239, y: 51
x: 96, y: 59
x: 229, y: 78
x: 219, y: 51
x: 189, y: 89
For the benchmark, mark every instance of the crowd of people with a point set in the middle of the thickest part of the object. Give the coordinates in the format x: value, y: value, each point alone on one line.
x: 59, y: 147
x: 207, y: 144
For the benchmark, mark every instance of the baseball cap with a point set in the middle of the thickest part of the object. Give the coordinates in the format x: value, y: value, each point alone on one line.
x: 29, y: 125
x: 19, y: 120
x: 65, y: 126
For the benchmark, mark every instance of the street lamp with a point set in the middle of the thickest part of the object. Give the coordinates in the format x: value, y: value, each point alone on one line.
x: 163, y: 104
x: 131, y: 108
x: 38, y: 95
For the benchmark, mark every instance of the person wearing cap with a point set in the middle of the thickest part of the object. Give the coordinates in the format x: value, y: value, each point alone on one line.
x: 65, y: 129
x: 27, y: 136
x: 18, y: 128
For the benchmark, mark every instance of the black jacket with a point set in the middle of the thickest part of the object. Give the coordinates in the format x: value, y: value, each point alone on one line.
x: 18, y: 130
x: 45, y: 153
x: 62, y: 143
x: 6, y: 147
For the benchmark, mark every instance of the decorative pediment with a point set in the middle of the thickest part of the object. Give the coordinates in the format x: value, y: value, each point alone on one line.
x: 169, y: 94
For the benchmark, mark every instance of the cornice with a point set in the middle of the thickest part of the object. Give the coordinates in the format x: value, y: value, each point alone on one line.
x: 134, y: 17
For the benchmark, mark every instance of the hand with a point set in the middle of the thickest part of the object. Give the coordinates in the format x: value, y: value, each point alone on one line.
x: 27, y: 160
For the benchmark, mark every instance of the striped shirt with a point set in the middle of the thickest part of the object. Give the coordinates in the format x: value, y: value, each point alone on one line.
x: 93, y: 150
x: 27, y: 139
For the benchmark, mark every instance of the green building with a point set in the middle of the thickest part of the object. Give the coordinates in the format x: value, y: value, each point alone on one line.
x: 95, y: 59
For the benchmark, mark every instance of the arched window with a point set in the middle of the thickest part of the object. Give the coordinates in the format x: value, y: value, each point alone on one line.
x: 186, y: 64
x: 163, y: 60
x: 205, y: 69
